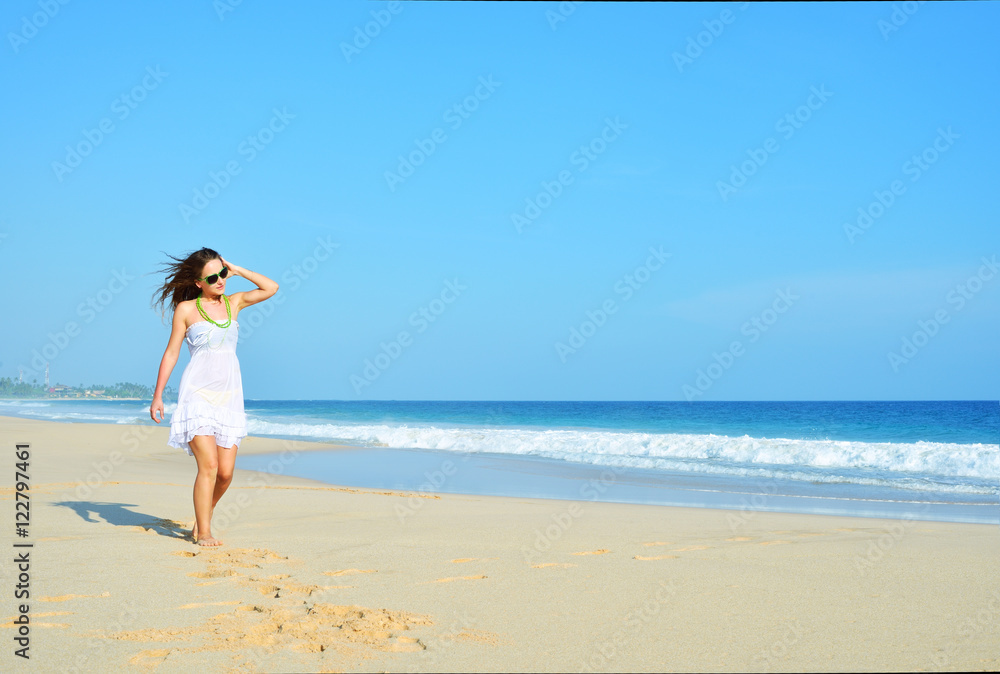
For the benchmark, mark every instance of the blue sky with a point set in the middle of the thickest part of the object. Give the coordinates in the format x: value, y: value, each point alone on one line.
x: 507, y: 170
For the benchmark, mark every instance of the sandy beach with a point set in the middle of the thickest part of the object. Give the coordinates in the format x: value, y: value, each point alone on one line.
x: 313, y: 577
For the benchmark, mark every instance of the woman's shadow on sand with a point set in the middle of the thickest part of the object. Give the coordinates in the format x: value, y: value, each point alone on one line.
x: 119, y: 515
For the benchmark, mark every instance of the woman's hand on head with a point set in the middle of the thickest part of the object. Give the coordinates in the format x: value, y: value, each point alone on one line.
x: 233, y: 269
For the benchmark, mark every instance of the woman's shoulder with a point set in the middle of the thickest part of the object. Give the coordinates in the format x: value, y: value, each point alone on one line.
x: 185, y: 309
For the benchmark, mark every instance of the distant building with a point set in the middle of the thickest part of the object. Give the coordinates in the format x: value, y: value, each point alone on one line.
x: 61, y: 390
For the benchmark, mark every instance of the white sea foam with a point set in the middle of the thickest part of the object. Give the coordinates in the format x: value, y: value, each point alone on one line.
x: 924, y: 466
x: 87, y: 411
x: 917, y: 465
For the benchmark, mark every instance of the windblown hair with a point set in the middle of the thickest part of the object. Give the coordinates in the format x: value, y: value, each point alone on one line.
x: 182, y: 274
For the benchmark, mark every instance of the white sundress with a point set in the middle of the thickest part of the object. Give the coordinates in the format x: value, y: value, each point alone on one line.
x: 210, y: 399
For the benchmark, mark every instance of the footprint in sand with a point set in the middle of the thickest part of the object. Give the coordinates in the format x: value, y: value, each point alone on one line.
x: 349, y: 572
x: 563, y: 565
x: 690, y: 548
x: 476, y: 636
x: 213, y: 573
x: 246, y: 558
x: 448, y: 580
x: 773, y: 542
x: 602, y: 551
x: 740, y: 538
x: 348, y: 630
x: 74, y: 596
x: 289, y: 623
x: 296, y: 588
x: 11, y: 624
x: 267, y: 586
x: 658, y: 543
x: 406, y: 645
x: 209, y: 603
x: 150, y: 659
x: 646, y: 559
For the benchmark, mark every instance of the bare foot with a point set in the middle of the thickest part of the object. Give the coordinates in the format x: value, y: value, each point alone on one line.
x: 208, y: 540
x: 194, y: 527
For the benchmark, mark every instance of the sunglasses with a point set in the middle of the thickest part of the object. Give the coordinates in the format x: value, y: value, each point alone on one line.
x: 210, y: 280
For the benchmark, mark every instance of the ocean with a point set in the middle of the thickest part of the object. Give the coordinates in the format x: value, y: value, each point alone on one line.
x: 916, y: 459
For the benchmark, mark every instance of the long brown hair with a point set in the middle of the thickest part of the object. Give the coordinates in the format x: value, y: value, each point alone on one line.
x: 182, y: 274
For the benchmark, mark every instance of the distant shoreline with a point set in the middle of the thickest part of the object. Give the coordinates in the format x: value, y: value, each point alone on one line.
x: 80, y: 398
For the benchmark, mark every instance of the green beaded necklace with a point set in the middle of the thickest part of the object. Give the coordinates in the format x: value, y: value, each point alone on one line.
x: 204, y: 314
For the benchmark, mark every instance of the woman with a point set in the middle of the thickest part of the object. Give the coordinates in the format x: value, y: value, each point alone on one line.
x: 209, y: 421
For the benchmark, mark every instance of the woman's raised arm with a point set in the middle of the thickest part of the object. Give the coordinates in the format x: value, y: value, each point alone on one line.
x: 265, y: 286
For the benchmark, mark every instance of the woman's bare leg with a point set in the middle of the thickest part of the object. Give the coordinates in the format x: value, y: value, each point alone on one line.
x: 224, y: 476
x: 207, y: 456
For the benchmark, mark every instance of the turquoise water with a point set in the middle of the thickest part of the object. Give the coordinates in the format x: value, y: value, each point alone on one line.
x: 797, y: 453
x: 907, y: 421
